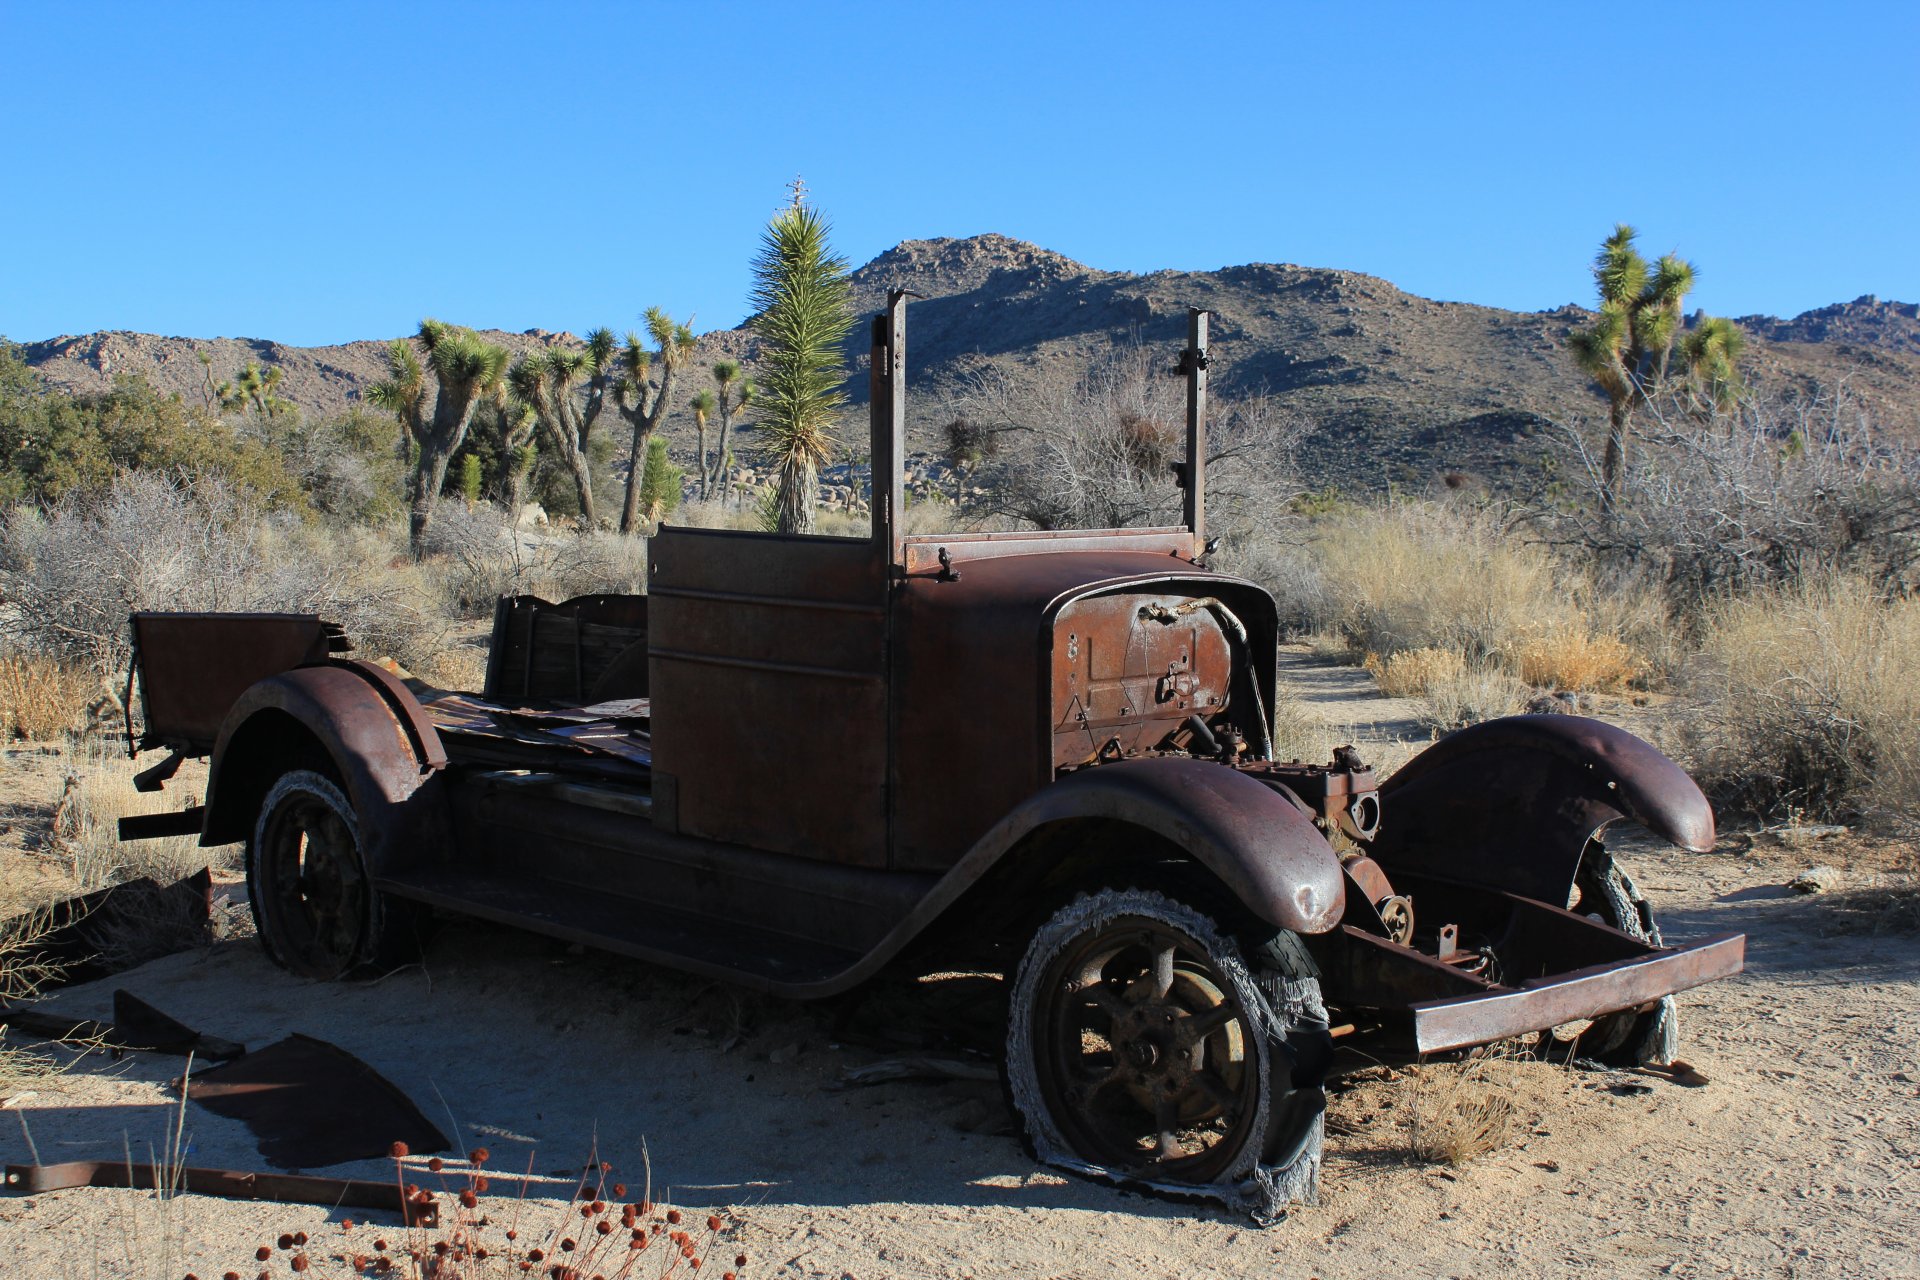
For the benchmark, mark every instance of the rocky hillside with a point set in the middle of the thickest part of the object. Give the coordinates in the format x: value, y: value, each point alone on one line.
x: 1394, y: 387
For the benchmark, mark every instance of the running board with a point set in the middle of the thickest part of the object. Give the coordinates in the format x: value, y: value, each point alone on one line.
x: 728, y: 950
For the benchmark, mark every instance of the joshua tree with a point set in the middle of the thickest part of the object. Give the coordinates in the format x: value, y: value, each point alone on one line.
x: 804, y: 313
x: 702, y: 406
x: 466, y: 368
x: 735, y: 394
x: 643, y: 403
x: 516, y: 443
x: 543, y: 384
x: 1630, y: 346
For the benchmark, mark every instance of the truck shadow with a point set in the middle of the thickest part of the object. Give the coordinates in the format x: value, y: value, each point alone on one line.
x: 555, y: 1058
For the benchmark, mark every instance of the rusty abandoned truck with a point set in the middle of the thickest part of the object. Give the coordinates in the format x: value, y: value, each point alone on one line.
x: 795, y: 756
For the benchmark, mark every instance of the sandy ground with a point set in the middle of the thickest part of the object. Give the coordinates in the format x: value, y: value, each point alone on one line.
x: 1801, y: 1157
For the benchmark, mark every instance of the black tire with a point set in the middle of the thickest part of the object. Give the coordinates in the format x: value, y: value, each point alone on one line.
x: 1634, y: 1038
x: 1143, y: 1049
x: 314, y: 904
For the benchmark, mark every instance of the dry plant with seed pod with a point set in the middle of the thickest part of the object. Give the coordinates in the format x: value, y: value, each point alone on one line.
x: 600, y: 1232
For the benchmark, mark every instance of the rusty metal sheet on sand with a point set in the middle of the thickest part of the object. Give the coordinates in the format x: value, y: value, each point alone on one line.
x: 312, y: 1104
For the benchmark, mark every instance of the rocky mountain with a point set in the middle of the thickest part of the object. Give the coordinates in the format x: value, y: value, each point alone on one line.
x: 1392, y: 387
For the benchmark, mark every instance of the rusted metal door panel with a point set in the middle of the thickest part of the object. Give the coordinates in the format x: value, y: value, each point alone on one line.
x: 194, y: 666
x: 768, y: 671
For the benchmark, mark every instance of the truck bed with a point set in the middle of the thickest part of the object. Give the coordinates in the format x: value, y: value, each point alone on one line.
x: 607, y: 740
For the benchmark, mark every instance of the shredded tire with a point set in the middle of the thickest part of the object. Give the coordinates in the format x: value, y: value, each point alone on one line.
x: 1279, y: 994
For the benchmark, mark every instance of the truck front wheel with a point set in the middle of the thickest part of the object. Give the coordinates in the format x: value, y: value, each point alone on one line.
x: 1142, y: 1048
x: 313, y: 899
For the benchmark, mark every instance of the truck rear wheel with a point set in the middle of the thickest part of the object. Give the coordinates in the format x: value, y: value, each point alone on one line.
x: 1141, y: 1048
x: 313, y: 899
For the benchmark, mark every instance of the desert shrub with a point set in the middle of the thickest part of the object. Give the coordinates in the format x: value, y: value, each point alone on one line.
x: 476, y: 556
x: 1807, y: 698
x: 74, y: 571
x: 1460, y: 587
x: 42, y: 698
x: 53, y: 444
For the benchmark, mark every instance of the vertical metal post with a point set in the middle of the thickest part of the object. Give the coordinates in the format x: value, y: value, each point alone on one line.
x: 1194, y: 363
x: 889, y: 427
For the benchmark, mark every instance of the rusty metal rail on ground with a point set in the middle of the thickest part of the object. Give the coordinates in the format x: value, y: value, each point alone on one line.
x: 419, y: 1209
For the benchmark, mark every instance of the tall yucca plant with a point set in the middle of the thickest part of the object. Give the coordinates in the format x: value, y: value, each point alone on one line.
x: 800, y: 292
x: 1630, y: 346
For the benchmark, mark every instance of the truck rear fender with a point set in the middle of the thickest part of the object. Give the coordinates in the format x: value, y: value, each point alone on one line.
x: 1259, y: 844
x: 352, y: 718
x: 1510, y: 804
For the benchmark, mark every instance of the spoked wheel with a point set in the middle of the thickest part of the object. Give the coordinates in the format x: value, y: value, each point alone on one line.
x: 314, y: 903
x: 1141, y: 1048
x: 1633, y: 1037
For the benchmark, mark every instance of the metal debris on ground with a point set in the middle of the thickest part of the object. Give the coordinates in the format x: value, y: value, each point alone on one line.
x: 311, y: 1104
x: 915, y: 1068
x: 417, y: 1210
x: 137, y: 1027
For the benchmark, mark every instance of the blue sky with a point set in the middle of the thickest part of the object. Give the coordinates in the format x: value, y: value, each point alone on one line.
x: 321, y: 172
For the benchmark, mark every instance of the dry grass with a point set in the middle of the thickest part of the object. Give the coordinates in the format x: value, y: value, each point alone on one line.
x: 43, y: 699
x: 1420, y: 575
x: 1479, y: 691
x: 1807, y: 698
x: 1411, y: 672
x: 98, y: 793
x: 1462, y: 1109
x: 1577, y: 659
x: 1431, y: 590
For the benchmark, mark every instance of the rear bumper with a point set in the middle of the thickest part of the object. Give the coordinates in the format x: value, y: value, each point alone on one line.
x: 1462, y: 1021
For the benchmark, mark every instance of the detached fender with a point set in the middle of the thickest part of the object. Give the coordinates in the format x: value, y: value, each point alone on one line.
x: 1511, y: 803
x: 372, y: 733
x: 1256, y: 840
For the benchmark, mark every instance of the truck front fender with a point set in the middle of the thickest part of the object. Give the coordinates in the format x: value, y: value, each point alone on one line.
x: 1260, y: 844
x: 1510, y: 804
x: 365, y: 726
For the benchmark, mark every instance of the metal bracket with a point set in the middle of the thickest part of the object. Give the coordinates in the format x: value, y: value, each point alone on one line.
x: 1190, y: 360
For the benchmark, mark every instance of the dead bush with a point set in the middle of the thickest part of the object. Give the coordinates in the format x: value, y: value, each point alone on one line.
x: 1054, y: 451
x: 43, y: 699
x: 1807, y: 698
x: 1461, y: 1109
x: 1764, y: 493
x: 74, y: 571
x: 476, y: 555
